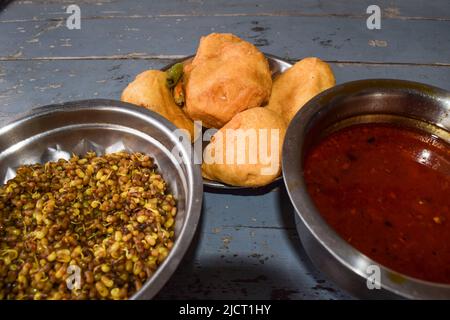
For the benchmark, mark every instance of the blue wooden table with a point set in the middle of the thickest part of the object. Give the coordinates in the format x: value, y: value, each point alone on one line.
x: 247, y: 245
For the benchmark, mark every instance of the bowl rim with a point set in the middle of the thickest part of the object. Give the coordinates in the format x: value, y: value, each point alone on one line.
x: 193, y: 178
x: 306, y: 211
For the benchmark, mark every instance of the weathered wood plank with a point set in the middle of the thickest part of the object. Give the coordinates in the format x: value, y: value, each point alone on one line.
x: 26, y: 84
x: 331, y: 38
x: 45, y: 9
x: 248, y: 264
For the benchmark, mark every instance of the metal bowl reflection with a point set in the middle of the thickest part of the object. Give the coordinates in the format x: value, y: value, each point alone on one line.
x: 366, y: 101
x: 104, y: 126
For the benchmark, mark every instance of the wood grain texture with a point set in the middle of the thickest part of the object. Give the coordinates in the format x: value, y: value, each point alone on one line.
x: 27, y: 84
x: 330, y: 38
x: 391, y: 9
x: 240, y: 263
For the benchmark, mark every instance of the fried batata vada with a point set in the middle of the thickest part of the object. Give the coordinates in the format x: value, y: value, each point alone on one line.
x: 247, y: 150
x: 149, y: 90
x: 228, y: 75
x: 297, y: 85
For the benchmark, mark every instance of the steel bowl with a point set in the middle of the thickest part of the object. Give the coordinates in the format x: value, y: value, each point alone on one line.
x: 53, y: 132
x: 277, y: 66
x: 366, y: 101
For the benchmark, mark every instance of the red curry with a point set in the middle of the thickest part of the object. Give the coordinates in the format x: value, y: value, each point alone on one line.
x: 386, y: 190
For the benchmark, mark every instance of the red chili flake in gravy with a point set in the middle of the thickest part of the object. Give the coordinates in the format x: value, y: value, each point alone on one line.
x: 386, y: 190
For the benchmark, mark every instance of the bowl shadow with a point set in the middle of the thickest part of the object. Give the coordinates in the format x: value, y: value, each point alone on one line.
x: 229, y: 275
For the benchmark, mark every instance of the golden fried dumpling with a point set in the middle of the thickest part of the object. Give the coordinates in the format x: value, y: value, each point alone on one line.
x: 228, y: 75
x: 247, y: 150
x: 297, y: 85
x: 149, y: 90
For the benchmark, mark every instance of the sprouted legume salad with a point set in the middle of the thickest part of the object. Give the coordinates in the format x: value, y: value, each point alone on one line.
x: 92, y: 227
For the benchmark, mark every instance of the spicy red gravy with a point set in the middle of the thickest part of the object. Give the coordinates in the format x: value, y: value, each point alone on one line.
x: 386, y: 190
